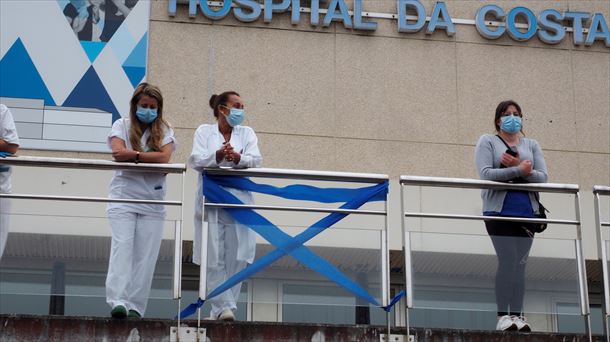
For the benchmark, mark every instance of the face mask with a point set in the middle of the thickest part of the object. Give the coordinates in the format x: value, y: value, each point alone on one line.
x: 235, y: 117
x: 510, y: 124
x: 146, y: 115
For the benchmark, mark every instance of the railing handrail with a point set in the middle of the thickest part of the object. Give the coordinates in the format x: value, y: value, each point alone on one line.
x: 91, y: 164
x: 99, y: 164
x: 572, y: 189
x: 601, y: 189
x: 89, y: 199
x: 300, y: 174
x: 484, y: 184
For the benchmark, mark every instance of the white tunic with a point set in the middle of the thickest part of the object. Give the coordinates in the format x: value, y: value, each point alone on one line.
x: 8, y: 133
x: 138, y: 185
x: 206, y: 142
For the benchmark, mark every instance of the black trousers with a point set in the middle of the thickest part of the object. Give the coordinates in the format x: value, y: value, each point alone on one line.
x: 512, y: 242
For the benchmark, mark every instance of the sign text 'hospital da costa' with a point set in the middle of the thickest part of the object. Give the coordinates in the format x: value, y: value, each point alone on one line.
x: 492, y: 21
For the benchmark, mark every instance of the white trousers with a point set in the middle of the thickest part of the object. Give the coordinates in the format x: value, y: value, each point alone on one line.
x: 136, y: 240
x: 227, y: 266
x: 5, y: 210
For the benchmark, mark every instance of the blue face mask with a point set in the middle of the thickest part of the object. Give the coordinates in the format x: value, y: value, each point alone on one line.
x: 510, y: 124
x: 146, y: 115
x: 235, y: 117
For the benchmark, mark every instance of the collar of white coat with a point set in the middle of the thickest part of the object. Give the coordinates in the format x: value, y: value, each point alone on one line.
x: 236, y: 130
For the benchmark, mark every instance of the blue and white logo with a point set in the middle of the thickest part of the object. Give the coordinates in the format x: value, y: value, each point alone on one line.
x: 69, y: 68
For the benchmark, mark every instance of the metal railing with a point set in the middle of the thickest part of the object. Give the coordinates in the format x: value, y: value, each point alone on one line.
x: 300, y: 175
x: 93, y: 164
x: 601, y: 190
x: 481, y: 184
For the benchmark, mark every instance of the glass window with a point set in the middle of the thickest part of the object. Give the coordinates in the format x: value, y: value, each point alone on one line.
x: 308, y: 303
x: 569, y: 319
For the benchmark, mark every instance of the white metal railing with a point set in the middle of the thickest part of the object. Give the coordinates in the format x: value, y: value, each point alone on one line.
x: 94, y: 164
x: 90, y: 164
x: 300, y: 175
x: 481, y: 184
x: 601, y: 190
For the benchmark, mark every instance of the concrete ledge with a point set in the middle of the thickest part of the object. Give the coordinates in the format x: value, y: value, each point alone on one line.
x: 67, y: 329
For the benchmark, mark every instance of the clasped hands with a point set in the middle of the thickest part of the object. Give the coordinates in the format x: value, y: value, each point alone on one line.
x: 227, y: 153
x: 524, y: 165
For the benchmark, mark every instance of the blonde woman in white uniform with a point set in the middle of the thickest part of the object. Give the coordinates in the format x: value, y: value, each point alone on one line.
x: 137, y: 229
x: 9, y: 143
x: 231, y: 246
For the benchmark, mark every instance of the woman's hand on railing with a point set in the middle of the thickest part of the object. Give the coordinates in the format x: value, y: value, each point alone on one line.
x: 233, y: 156
x: 124, y: 155
x: 526, y: 167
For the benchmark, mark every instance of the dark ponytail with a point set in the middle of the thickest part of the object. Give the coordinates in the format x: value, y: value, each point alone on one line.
x: 218, y: 100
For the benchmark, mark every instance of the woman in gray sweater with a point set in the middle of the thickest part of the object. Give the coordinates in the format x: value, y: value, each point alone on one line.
x: 523, y: 162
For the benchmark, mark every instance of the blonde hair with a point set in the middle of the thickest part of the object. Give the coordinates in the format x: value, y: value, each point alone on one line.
x: 157, y: 127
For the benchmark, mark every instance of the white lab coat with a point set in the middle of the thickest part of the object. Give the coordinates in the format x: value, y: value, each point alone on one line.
x: 8, y: 133
x: 206, y: 142
x: 137, y: 229
x: 138, y: 185
x: 231, y: 246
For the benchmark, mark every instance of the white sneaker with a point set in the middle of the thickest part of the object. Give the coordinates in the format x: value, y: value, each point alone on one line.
x: 506, y: 323
x: 521, y: 324
x: 227, y: 315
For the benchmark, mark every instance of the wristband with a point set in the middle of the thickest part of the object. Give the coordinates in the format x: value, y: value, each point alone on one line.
x: 137, y: 157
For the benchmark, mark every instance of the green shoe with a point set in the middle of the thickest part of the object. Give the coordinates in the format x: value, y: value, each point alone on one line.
x: 134, y: 314
x: 119, y: 311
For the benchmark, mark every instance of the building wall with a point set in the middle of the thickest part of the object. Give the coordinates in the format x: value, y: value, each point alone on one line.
x: 388, y: 102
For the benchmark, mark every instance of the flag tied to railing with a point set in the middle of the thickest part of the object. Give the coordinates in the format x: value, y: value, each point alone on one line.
x: 214, y: 192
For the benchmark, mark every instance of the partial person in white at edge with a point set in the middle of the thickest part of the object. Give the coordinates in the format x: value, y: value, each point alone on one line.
x: 137, y: 229
x: 9, y: 144
x: 231, y: 246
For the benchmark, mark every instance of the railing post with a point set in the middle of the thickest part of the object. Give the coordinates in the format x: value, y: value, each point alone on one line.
x: 604, y: 263
x: 178, y: 266
x: 203, y: 267
x: 178, y: 253
x: 582, y: 271
x: 491, y: 185
x: 406, y: 243
x: 177, y: 259
x: 385, y: 263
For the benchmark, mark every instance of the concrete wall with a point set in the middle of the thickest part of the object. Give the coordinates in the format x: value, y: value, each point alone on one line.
x: 337, y: 99
x: 386, y: 102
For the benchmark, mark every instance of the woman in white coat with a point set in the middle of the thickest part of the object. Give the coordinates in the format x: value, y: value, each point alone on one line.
x: 231, y: 246
x: 9, y: 143
x: 137, y: 229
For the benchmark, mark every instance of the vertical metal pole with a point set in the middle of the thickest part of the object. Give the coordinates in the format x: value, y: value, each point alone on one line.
x: 386, y: 264
x: 178, y: 265
x: 604, y: 261
x: 203, y: 267
x: 406, y: 245
x: 582, y: 271
x: 177, y: 258
x: 384, y: 299
x: 178, y: 255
